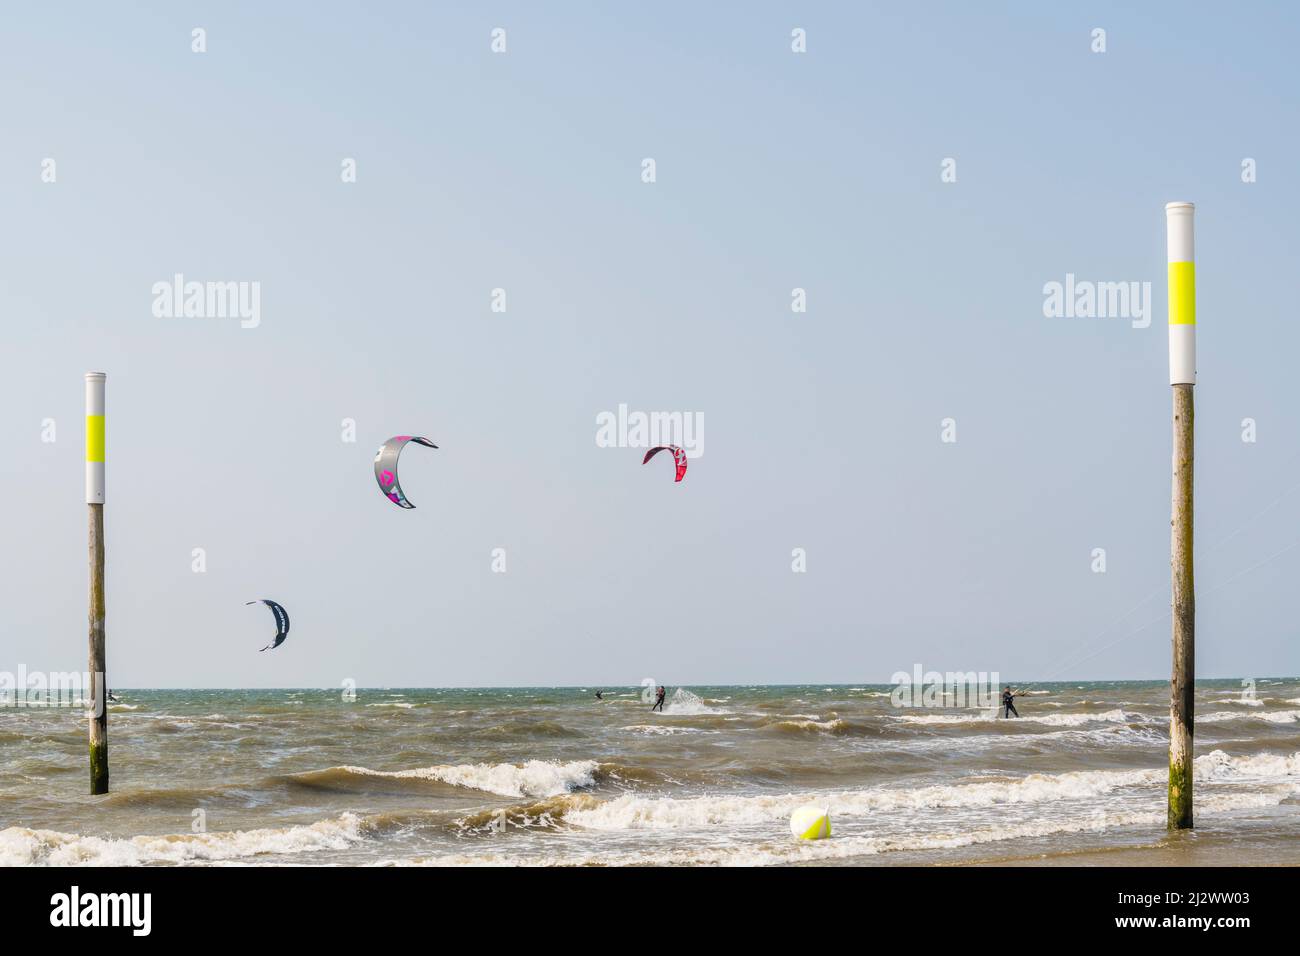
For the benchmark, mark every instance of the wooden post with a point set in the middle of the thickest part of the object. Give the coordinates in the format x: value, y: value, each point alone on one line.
x: 1182, y: 376
x: 95, y: 503
x: 1182, y: 682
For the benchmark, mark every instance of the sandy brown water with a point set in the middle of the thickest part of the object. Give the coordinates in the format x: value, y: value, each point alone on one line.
x: 553, y: 776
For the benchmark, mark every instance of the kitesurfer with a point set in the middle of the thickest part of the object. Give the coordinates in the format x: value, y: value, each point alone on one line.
x: 660, y: 694
x: 1008, y: 701
x: 599, y: 695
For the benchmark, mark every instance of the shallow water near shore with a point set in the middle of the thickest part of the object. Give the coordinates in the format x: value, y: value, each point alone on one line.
x: 552, y: 776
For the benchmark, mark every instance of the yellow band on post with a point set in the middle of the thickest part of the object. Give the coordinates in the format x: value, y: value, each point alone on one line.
x: 1182, y: 293
x: 94, y: 438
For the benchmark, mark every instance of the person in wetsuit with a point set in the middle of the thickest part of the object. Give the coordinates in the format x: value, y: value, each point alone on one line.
x: 660, y: 694
x: 600, y: 695
x: 1008, y: 702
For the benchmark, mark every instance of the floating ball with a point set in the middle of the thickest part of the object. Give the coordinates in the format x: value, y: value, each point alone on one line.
x: 811, y: 823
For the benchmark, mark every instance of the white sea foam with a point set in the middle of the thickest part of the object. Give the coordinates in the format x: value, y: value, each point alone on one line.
x: 536, y: 778
x: 782, y: 850
x: 661, y: 730
x: 684, y: 703
x: 1243, y: 701
x: 813, y: 724
x: 20, y: 846
x: 636, y: 812
x: 1273, y: 717
x: 1262, y: 780
x: 1052, y: 720
x: 1220, y: 766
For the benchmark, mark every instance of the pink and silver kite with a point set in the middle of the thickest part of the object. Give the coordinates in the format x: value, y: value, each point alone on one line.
x: 386, y: 467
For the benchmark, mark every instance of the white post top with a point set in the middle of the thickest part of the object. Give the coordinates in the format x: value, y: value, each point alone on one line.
x: 95, y: 437
x: 1180, y: 218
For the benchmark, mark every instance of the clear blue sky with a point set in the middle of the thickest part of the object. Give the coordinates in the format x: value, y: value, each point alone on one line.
x: 522, y: 171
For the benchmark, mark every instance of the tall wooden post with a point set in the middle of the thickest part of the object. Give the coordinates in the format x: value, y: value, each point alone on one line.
x: 95, y: 502
x: 1182, y: 376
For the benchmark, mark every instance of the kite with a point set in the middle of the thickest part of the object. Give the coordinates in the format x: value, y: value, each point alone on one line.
x: 386, y: 467
x: 281, y: 622
x: 679, y: 458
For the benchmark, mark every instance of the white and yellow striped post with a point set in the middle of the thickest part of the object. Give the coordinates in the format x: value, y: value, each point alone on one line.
x: 1182, y: 376
x: 95, y: 500
x: 1182, y: 293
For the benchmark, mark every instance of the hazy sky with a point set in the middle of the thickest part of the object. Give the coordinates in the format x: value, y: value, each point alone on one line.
x: 822, y: 430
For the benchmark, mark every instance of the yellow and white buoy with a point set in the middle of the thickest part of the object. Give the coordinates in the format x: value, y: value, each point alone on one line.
x: 811, y: 822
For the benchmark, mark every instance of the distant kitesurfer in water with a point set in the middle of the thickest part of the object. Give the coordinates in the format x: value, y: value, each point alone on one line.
x: 112, y: 699
x: 1008, y: 701
x: 599, y: 695
x: 660, y: 694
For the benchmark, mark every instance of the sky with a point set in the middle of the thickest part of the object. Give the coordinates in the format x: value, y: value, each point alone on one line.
x: 823, y: 430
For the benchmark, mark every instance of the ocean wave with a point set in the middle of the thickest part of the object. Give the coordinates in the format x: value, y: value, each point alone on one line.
x: 809, y: 725
x: 183, y: 798
x: 634, y: 812
x: 187, y: 721
x: 536, y: 778
x: 664, y: 730
x: 730, y: 815
x: 784, y: 851
x: 1273, y: 717
x: 540, y: 814
x: 510, y: 729
x: 684, y: 703
x: 1220, y: 766
x: 1115, y: 716
x: 20, y: 846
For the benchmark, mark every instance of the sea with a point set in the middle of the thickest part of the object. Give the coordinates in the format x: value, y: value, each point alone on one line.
x: 552, y: 776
